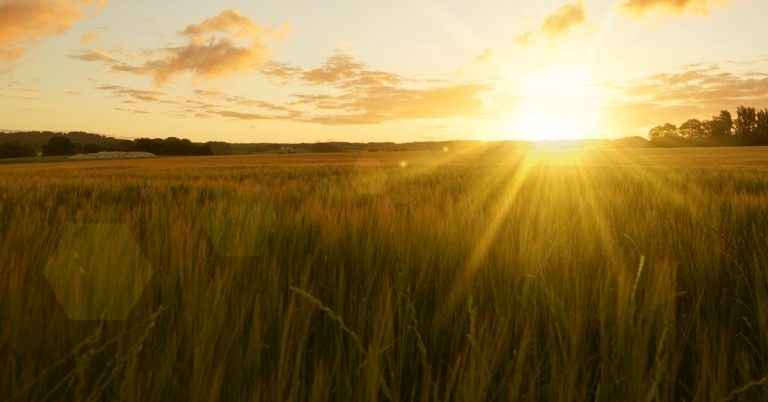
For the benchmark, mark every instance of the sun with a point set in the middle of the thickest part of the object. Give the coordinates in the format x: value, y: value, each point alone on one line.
x: 559, y: 103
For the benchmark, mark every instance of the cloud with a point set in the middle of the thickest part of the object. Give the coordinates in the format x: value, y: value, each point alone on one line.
x: 130, y: 95
x: 382, y: 104
x: 346, y: 91
x: 280, y: 70
x: 485, y: 56
x: 567, y: 17
x: 697, y: 92
x: 23, y: 23
x: 526, y: 38
x: 221, y: 46
x: 341, y: 70
x: 674, y: 6
x: 101, y: 56
x: 241, y: 116
x: 340, y: 91
x: 90, y: 37
x: 357, y: 94
x: 135, y: 111
x: 706, y: 88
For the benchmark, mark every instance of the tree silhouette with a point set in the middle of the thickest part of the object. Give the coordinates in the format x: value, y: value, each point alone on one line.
x: 762, y: 125
x: 59, y: 145
x: 667, y: 131
x: 721, y: 125
x: 746, y: 124
x: 92, y: 148
x: 15, y: 150
x: 692, y: 129
x: 749, y: 128
x: 171, y: 146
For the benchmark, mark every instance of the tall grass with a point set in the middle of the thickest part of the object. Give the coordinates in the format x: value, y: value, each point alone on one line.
x: 508, y: 279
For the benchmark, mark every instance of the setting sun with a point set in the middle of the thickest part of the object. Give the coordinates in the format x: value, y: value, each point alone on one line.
x: 558, y: 103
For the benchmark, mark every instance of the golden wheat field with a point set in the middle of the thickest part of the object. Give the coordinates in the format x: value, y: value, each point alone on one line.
x: 476, y: 275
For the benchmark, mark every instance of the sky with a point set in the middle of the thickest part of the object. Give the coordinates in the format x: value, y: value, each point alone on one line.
x: 365, y: 71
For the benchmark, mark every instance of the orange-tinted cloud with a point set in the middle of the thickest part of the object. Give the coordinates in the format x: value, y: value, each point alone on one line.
x: 95, y: 56
x: 343, y: 71
x: 526, y: 38
x: 90, y: 37
x: 348, y: 92
x: 357, y: 94
x: 675, y: 6
x: 23, y: 23
x: 567, y: 17
x: 382, y: 104
x: 696, y: 92
x: 221, y: 46
x: 709, y: 87
x: 280, y: 70
x: 344, y: 91
x: 130, y: 95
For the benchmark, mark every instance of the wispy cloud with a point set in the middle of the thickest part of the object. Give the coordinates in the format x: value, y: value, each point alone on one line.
x: 697, y: 91
x: 349, y: 92
x: 101, y: 56
x: 567, y: 17
x: 340, y: 91
x: 90, y: 37
x: 131, y: 95
x: 227, y: 44
x: 705, y: 87
x: 341, y: 70
x: 674, y: 6
x: 526, y: 38
x: 23, y: 23
x: 383, y: 104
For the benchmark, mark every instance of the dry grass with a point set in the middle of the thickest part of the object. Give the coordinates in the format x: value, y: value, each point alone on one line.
x: 612, y: 275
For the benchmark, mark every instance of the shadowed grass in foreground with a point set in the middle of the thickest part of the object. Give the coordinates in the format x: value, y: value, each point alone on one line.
x: 481, y: 277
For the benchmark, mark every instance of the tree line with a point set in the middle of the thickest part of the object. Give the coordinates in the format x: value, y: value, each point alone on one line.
x: 750, y: 127
x: 62, y: 145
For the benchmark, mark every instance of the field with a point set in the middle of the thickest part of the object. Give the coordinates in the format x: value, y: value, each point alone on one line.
x: 479, y: 275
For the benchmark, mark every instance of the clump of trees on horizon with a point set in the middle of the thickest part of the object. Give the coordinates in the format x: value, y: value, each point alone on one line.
x: 750, y: 127
x: 59, y: 144
x: 16, y: 149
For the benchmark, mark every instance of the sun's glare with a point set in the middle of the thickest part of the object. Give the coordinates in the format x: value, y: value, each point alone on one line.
x: 558, y: 103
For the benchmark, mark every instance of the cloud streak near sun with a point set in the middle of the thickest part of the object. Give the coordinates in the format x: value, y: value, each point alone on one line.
x: 348, y: 92
x: 674, y: 6
x: 23, y: 23
x: 567, y: 17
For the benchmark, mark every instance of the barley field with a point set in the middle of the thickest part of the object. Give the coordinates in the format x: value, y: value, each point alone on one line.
x: 476, y: 275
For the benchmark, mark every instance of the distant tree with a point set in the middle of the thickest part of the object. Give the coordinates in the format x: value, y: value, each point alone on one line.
x: 325, y: 148
x: 171, y: 146
x: 154, y: 146
x: 746, y: 124
x: 16, y: 150
x: 762, y: 125
x: 219, y: 148
x: 692, y: 129
x: 667, y: 131
x: 122, y: 145
x: 722, y: 125
x: 59, y: 145
x: 92, y: 148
